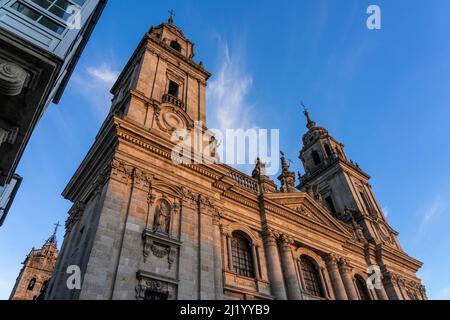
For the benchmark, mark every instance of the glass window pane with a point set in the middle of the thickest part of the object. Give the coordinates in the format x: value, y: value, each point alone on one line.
x: 42, y: 3
x: 51, y: 25
x: 27, y: 11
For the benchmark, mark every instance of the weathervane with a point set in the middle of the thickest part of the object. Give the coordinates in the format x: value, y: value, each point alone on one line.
x: 311, y: 124
x: 305, y: 108
x: 172, y: 14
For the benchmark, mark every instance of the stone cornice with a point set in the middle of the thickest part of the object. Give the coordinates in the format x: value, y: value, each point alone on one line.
x: 166, y: 49
x: 384, y: 254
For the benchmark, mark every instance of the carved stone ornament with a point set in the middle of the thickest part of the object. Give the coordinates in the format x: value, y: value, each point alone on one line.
x: 171, y: 118
x: 286, y: 240
x: 160, y: 247
x: 12, y: 79
x: 147, y: 283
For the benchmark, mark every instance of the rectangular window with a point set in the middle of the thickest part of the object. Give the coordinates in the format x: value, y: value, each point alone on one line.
x: 330, y: 204
x: 366, y: 203
x: 174, y: 89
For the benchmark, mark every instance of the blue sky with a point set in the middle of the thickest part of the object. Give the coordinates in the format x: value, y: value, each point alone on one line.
x: 385, y: 94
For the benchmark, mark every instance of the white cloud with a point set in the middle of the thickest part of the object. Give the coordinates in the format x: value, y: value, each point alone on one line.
x: 103, y: 74
x: 386, y: 211
x: 227, y: 92
x: 436, y: 207
x: 94, y: 83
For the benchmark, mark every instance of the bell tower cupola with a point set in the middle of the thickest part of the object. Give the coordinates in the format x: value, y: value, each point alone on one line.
x: 342, y: 186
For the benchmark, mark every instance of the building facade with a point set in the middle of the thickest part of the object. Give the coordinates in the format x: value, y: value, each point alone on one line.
x: 146, y: 225
x: 38, y: 267
x: 40, y: 44
x: 7, y: 194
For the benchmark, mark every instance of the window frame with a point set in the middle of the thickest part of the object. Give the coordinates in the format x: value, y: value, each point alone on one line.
x: 242, y: 255
x: 45, y: 13
x: 317, y: 289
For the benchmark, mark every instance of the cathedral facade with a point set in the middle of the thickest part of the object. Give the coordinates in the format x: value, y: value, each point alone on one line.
x: 145, y: 226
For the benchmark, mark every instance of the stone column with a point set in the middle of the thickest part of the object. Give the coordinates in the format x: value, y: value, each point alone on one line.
x: 346, y: 273
x: 392, y: 287
x: 224, y: 249
x: 256, y: 262
x: 381, y: 293
x: 218, y: 265
x: 290, y: 275
x: 338, y: 285
x: 324, y: 283
x: 230, y: 253
x: 274, y: 266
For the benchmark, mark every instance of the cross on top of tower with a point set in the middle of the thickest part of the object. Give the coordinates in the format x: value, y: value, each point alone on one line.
x: 172, y: 14
x: 57, y: 225
x: 52, y: 239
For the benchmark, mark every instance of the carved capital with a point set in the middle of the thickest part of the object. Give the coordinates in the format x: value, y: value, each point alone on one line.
x: 333, y: 260
x: 270, y: 236
x: 142, y: 179
x: 286, y: 240
x: 121, y: 171
x: 344, y: 265
x: 12, y: 79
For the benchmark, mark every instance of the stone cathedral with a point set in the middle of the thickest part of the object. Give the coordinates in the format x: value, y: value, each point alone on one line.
x: 144, y: 227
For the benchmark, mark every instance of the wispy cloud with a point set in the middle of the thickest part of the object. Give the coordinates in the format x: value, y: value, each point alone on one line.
x: 94, y: 83
x: 227, y: 92
x: 437, y: 207
x: 428, y: 217
x: 104, y: 74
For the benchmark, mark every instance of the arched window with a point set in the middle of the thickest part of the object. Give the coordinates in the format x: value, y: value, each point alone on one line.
x: 311, y: 276
x: 242, y: 255
x: 44, y: 286
x: 175, y: 45
x: 361, y: 286
x: 316, y: 158
x: 31, y: 284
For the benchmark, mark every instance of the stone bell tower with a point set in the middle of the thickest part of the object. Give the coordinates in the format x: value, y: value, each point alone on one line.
x: 167, y: 86
x: 342, y: 186
x: 33, y: 280
x: 126, y: 230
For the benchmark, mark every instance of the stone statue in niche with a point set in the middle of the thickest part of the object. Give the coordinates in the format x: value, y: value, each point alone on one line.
x: 162, y: 217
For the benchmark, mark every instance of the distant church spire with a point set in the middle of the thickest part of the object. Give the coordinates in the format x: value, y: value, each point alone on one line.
x: 311, y: 124
x: 52, y: 239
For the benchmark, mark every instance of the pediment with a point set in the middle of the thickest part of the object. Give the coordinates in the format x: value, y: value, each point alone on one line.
x: 304, y: 205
